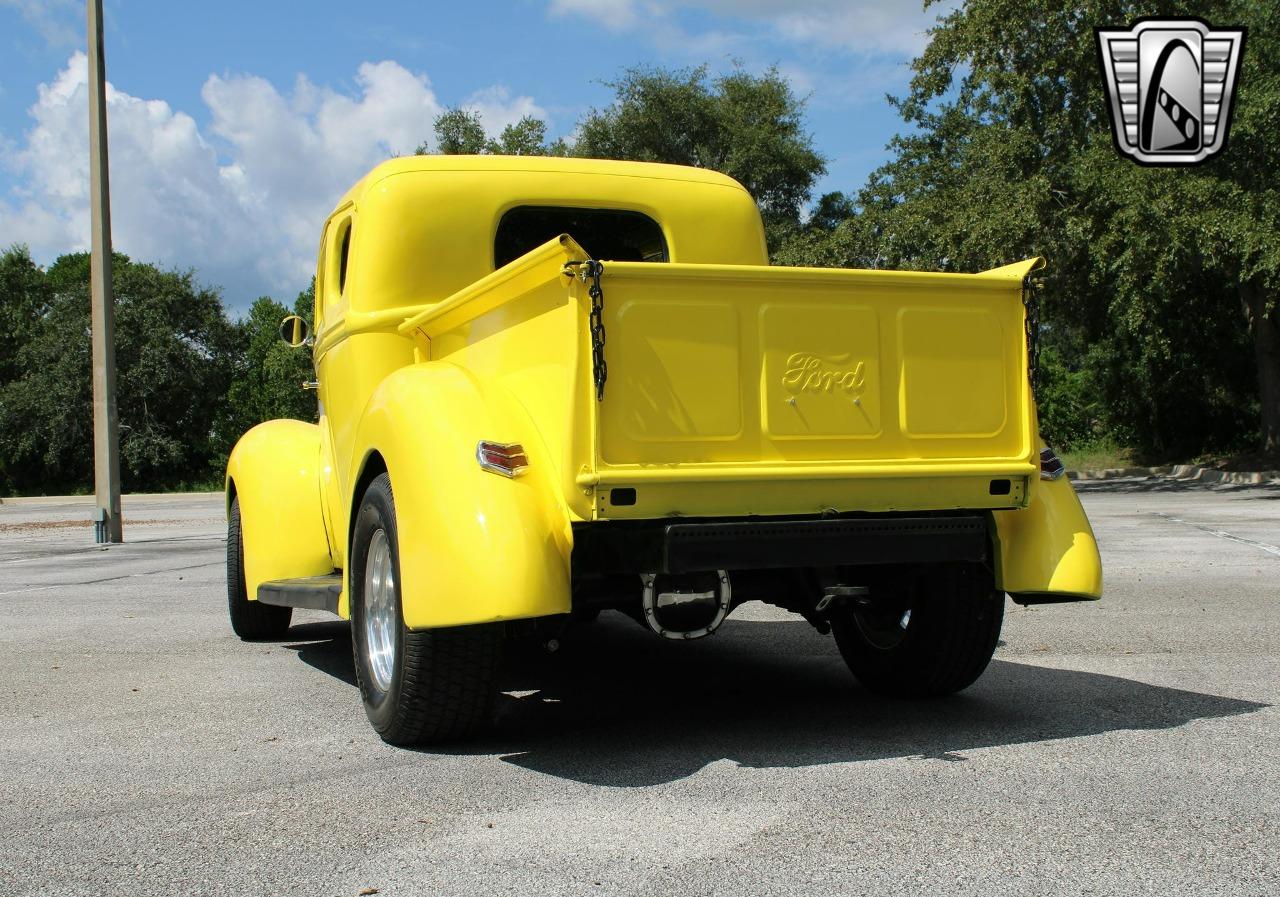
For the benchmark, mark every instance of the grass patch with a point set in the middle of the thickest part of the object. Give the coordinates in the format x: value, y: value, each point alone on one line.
x: 1097, y: 455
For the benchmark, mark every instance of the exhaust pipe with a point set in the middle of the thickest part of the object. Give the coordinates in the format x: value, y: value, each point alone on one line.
x: 687, y: 605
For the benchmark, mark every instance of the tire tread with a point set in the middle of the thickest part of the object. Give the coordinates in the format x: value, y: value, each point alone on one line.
x: 250, y: 620
x: 958, y: 640
x: 448, y: 678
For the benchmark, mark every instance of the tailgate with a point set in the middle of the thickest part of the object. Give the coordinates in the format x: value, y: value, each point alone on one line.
x: 722, y: 374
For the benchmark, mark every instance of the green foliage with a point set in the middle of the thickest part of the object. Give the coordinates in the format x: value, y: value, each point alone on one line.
x: 1008, y: 154
x: 830, y: 210
x: 524, y: 138
x: 189, y: 380
x: 460, y: 132
x: 173, y: 349
x: 26, y: 297
x: 268, y: 374
x: 1070, y: 414
x: 750, y: 127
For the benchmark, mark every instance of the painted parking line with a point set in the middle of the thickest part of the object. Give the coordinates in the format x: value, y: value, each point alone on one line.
x: 1222, y: 534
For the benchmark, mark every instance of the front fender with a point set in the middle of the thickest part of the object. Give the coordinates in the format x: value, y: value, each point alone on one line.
x: 274, y: 471
x: 475, y: 546
x: 1046, y: 552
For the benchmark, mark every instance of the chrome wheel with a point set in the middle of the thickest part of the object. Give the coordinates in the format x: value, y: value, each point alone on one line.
x: 885, y: 626
x: 381, y: 620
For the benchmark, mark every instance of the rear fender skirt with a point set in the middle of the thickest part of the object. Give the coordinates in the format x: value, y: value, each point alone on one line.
x: 1046, y: 552
x: 275, y: 472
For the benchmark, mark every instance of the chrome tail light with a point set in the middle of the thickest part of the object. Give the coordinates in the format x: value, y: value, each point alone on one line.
x: 506, y: 458
x: 1050, y: 465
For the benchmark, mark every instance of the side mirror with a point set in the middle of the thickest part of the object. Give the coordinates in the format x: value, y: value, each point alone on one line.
x: 294, y: 331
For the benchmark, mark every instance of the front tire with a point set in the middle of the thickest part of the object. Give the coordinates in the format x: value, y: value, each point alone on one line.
x: 931, y: 635
x: 418, y: 687
x: 251, y: 620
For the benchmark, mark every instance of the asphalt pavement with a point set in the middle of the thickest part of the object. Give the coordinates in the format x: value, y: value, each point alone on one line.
x: 1125, y: 747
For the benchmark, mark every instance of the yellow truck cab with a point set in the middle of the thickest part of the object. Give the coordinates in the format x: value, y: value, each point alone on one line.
x: 554, y: 386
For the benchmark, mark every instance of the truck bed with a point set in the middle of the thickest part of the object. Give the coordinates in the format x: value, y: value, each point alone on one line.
x: 758, y: 390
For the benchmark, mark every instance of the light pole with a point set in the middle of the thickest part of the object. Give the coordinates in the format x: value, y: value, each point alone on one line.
x: 106, y: 425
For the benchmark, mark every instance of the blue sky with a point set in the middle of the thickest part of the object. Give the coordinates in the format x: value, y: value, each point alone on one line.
x: 235, y: 126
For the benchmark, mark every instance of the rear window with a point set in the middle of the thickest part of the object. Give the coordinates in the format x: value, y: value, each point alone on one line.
x: 606, y: 234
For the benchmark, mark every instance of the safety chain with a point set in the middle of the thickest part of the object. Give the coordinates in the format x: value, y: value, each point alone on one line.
x: 590, y: 270
x: 1031, y: 301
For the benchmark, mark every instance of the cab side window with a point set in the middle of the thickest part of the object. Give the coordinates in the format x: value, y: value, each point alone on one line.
x: 344, y: 255
x: 337, y: 262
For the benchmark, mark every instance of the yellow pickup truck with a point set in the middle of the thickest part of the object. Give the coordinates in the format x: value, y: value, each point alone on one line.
x: 554, y: 386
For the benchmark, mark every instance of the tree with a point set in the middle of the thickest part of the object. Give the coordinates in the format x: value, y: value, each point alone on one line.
x: 460, y: 132
x: 24, y: 297
x: 527, y: 137
x: 174, y: 347
x: 830, y: 210
x: 751, y: 127
x: 189, y: 380
x: 1162, y: 287
x: 268, y: 374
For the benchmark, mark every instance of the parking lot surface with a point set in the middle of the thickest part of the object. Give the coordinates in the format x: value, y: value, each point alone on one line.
x: 1125, y: 747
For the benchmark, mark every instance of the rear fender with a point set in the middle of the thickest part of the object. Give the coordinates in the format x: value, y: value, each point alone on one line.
x: 274, y: 471
x: 475, y: 546
x: 1046, y: 552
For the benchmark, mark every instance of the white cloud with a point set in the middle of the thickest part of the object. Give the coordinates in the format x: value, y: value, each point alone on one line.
x: 55, y: 20
x: 883, y: 26
x: 865, y: 26
x: 291, y: 157
x: 242, y: 202
x: 616, y: 15
x: 498, y: 109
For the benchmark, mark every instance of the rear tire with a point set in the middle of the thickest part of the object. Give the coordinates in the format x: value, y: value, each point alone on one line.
x: 251, y: 620
x: 933, y: 635
x: 418, y: 687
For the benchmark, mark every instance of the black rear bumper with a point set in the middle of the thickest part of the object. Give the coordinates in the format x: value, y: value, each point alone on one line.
x: 684, y: 546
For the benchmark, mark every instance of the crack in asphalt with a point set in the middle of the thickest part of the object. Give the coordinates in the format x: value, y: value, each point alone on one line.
x: 94, y: 582
x: 89, y: 551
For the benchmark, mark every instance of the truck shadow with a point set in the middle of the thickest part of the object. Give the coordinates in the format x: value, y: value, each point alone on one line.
x: 618, y: 707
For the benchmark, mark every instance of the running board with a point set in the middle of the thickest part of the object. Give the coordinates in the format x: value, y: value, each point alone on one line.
x: 313, y: 592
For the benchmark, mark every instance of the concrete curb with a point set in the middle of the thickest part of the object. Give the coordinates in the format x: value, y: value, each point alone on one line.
x: 89, y: 499
x: 1184, y: 472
